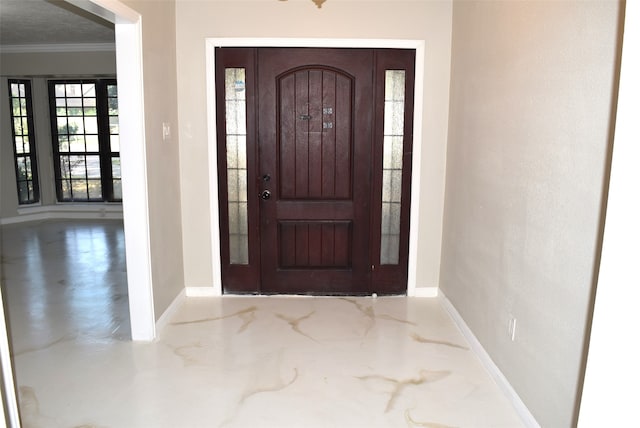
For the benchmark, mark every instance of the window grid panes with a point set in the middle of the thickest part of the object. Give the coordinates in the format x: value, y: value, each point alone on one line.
x: 394, y: 103
x: 24, y: 145
x: 236, y: 143
x: 86, y: 144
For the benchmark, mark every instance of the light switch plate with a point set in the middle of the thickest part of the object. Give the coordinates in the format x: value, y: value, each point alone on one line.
x: 166, y: 131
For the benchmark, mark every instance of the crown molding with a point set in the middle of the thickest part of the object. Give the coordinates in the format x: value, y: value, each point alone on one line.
x: 61, y: 47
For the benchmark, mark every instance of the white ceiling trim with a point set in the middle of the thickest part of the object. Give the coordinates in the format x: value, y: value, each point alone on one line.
x: 64, y: 47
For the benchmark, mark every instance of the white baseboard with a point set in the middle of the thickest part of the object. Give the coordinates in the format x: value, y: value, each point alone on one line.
x: 499, y: 378
x: 425, y: 292
x: 66, y: 212
x: 201, y: 292
x: 170, y: 311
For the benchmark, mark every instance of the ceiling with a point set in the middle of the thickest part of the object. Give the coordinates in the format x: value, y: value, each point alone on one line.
x: 50, y: 22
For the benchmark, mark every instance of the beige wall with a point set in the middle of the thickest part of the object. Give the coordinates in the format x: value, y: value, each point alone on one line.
x: 39, y: 67
x: 163, y: 177
x: 531, y: 96
x: 197, y: 20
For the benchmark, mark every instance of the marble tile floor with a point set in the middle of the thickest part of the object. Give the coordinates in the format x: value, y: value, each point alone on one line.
x: 226, y: 362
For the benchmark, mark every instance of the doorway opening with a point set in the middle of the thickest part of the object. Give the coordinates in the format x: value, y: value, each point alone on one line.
x: 128, y: 32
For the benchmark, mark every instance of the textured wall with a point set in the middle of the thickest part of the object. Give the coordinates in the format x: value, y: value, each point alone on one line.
x: 531, y: 97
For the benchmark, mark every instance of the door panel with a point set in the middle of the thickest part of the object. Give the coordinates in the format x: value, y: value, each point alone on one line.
x: 237, y: 157
x: 392, y: 154
x: 315, y: 244
x: 314, y: 125
x: 315, y: 143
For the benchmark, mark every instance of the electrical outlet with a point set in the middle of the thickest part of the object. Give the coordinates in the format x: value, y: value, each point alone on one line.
x: 512, y: 328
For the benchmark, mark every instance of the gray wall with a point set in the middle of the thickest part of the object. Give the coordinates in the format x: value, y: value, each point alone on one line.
x: 530, y: 115
x: 39, y: 67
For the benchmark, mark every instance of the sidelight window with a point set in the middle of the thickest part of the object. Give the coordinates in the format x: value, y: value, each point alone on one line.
x: 24, y: 144
x: 394, y: 106
x: 236, y: 142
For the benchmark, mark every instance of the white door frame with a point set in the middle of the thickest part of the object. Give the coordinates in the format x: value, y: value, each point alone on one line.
x: 135, y: 205
x: 417, y: 45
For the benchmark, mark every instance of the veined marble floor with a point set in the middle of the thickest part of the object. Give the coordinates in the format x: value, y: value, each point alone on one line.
x: 226, y: 362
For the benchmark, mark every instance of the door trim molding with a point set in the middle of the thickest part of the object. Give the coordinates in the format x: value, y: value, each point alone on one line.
x: 129, y: 58
x: 417, y: 45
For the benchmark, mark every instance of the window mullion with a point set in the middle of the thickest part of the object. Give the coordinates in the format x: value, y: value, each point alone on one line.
x: 53, y: 117
x: 34, y: 162
x: 103, y: 139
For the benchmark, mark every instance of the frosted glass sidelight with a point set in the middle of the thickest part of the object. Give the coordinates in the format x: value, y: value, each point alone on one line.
x: 236, y: 144
x: 392, y: 166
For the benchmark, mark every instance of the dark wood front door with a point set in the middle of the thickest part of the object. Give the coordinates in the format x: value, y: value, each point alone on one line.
x: 315, y: 116
x: 312, y: 170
